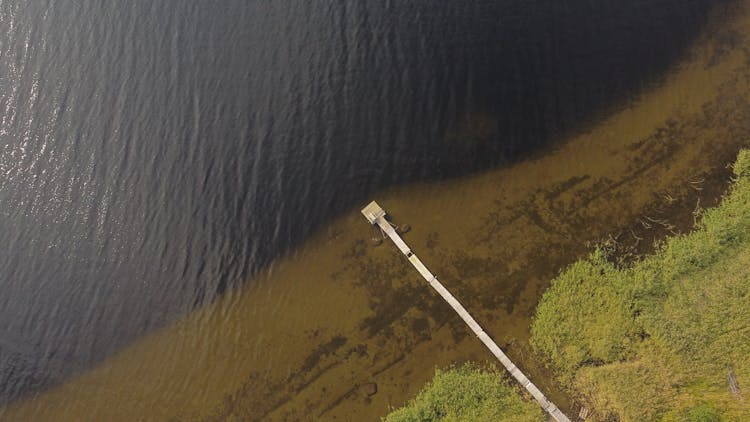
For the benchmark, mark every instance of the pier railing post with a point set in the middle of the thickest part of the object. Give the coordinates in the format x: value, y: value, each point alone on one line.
x: 376, y: 216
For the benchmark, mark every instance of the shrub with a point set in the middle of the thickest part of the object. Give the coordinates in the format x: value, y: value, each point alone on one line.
x: 468, y: 393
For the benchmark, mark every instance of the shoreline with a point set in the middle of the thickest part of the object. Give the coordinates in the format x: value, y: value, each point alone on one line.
x: 336, y: 314
x: 645, y: 332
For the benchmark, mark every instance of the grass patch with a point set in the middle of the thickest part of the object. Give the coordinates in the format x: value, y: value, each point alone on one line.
x: 664, y: 338
x: 469, y: 393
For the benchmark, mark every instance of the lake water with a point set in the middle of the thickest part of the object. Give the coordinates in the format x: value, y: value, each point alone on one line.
x: 155, y: 154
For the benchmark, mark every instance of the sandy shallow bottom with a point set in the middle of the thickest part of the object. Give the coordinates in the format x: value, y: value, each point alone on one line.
x: 309, y: 335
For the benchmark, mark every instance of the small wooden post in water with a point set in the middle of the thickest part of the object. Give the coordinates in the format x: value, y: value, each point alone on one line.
x: 376, y: 216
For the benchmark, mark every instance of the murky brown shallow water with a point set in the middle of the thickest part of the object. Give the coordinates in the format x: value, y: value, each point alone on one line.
x: 337, y: 314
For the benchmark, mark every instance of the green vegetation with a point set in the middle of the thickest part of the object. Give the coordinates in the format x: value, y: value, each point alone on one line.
x: 469, y: 393
x: 664, y: 338
x: 667, y: 337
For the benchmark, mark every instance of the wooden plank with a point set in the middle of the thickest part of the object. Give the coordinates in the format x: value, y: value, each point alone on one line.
x: 376, y: 215
x: 391, y: 232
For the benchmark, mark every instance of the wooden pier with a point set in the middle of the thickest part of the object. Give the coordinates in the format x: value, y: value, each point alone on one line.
x: 376, y: 216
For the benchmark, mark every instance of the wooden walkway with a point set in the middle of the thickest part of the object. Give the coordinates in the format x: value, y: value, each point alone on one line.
x: 376, y: 216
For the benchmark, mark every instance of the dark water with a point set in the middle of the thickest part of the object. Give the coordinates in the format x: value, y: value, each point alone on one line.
x: 153, y: 153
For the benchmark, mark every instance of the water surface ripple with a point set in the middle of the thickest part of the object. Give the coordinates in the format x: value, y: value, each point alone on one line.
x: 153, y: 153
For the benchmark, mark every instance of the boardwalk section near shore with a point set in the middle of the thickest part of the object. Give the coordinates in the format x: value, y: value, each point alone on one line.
x: 375, y: 214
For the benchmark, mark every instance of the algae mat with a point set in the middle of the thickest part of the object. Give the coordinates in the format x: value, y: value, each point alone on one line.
x: 317, y: 332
